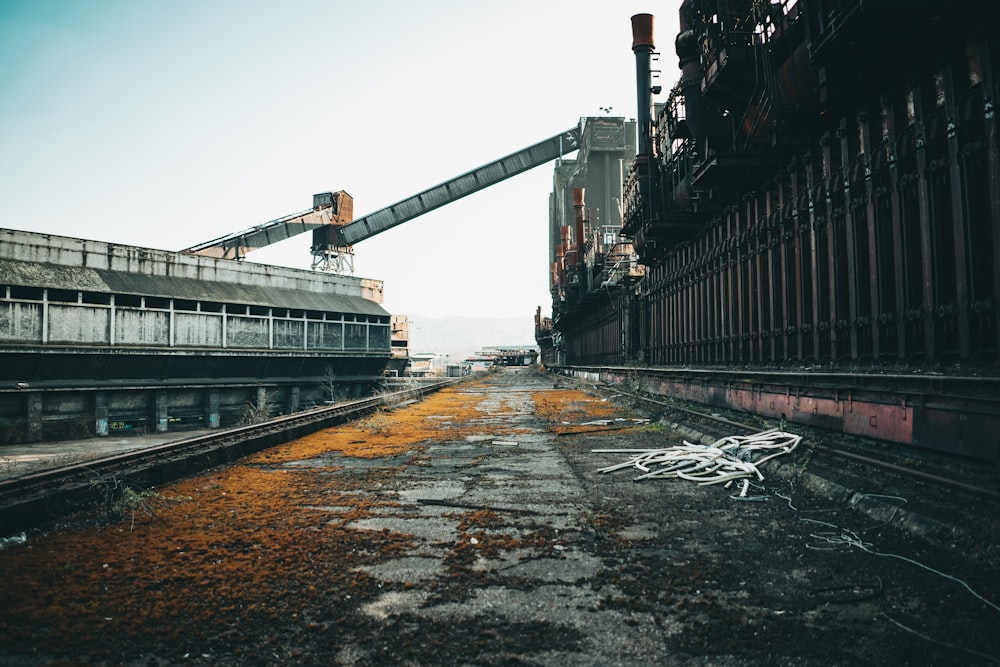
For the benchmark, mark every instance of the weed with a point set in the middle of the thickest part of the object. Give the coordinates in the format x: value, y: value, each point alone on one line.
x: 119, y: 499
x: 7, y: 466
x: 377, y: 424
x: 257, y: 412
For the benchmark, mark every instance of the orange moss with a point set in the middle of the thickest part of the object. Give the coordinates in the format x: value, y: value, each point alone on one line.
x: 569, y: 409
x: 247, y: 546
x: 480, y: 519
x: 387, y: 433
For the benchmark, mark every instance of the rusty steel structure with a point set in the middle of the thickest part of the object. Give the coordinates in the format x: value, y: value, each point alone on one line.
x: 819, y: 191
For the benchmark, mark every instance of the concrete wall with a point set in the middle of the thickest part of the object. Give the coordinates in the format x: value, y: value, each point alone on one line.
x: 64, y: 291
x: 90, y: 258
x: 29, y: 416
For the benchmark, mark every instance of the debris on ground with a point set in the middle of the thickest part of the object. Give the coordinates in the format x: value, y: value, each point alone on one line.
x: 726, y: 460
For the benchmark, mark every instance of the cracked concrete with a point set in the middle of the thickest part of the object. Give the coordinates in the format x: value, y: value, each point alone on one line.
x: 504, y: 545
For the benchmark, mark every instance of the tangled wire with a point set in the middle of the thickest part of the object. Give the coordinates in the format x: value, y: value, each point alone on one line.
x: 724, y: 461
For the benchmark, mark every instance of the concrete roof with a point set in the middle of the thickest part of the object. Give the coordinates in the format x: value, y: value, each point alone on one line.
x: 75, y: 278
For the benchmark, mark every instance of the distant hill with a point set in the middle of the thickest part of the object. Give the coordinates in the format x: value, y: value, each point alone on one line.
x: 461, y: 337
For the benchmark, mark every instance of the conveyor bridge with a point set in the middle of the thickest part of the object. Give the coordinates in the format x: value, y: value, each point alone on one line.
x: 331, y: 222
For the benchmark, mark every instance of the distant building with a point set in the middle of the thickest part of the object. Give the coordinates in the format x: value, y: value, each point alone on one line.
x: 428, y: 364
x: 511, y: 355
x: 399, y: 342
x: 478, y: 364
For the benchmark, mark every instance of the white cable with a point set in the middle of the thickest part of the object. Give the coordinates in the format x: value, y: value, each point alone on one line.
x: 727, y: 459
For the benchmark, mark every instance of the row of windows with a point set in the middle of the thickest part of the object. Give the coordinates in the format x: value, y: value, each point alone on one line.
x: 20, y: 293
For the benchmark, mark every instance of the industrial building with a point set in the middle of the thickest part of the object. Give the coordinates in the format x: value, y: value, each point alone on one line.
x: 810, y: 225
x: 97, y: 337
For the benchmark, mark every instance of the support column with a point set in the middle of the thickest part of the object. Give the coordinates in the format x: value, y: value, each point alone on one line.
x: 161, y: 411
x: 212, y: 403
x: 33, y: 414
x: 100, y: 413
x: 262, y: 399
x: 293, y: 399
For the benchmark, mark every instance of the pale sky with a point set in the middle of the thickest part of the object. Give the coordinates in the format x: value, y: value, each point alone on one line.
x: 164, y: 123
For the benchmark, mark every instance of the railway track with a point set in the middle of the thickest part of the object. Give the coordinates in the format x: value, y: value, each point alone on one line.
x: 29, y: 499
x: 936, y: 468
x: 951, y: 418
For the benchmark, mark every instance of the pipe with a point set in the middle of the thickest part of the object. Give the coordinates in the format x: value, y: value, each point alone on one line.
x: 642, y: 47
x: 578, y: 207
x: 689, y: 61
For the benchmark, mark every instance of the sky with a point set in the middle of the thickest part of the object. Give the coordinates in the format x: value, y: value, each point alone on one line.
x: 165, y: 123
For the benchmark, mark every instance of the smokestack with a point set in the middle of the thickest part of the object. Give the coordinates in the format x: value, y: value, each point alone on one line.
x: 642, y: 47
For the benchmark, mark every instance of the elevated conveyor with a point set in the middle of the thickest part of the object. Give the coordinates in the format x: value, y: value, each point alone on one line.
x: 330, y: 218
x: 328, y: 209
x: 460, y: 186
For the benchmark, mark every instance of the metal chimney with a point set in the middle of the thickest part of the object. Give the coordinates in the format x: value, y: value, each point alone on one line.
x: 642, y: 47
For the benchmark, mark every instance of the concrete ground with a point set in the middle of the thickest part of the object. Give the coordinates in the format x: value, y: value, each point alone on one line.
x: 24, y: 458
x: 497, y: 542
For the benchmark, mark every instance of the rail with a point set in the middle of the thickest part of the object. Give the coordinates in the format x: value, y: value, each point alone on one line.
x: 28, y: 499
x: 936, y: 419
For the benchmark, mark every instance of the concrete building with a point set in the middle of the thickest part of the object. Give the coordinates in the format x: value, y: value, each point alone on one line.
x: 98, y: 337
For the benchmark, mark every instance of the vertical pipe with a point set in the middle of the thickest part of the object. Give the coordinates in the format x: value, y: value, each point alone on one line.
x: 694, y: 298
x: 958, y: 219
x: 875, y: 280
x: 642, y: 47
x: 797, y: 274
x: 993, y: 165
x: 741, y: 329
x: 693, y: 289
x: 923, y: 204
x: 813, y: 256
x: 773, y: 236
x: 833, y: 310
x: 684, y: 286
x: 676, y: 319
x: 730, y: 267
x: 784, y: 274
x: 849, y: 245
x: 720, y: 295
x: 710, y: 296
x: 578, y: 209
x: 578, y: 219
x: 753, y: 278
x: 896, y: 213
x: 759, y: 241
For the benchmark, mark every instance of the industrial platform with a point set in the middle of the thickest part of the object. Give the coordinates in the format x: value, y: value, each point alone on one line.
x: 474, y: 528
